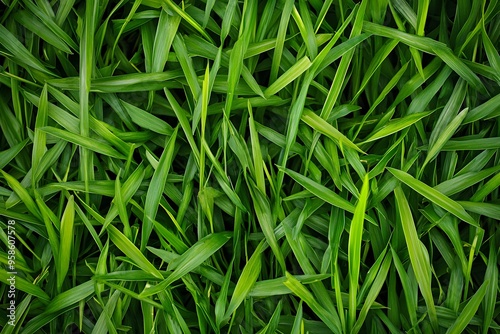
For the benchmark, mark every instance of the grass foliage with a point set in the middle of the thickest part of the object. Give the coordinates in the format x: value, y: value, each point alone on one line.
x: 251, y: 166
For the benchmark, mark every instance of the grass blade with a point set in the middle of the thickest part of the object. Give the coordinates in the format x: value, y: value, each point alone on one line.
x: 83, y: 141
x: 299, y: 290
x: 131, y: 251
x: 289, y: 76
x: 444, y: 136
x: 247, y: 279
x: 469, y: 310
x: 354, y: 251
x: 19, y: 51
x: 155, y: 191
x: 66, y: 244
x: 397, y: 125
x: 190, y: 260
x: 419, y: 256
x: 433, y: 195
x: 320, y: 125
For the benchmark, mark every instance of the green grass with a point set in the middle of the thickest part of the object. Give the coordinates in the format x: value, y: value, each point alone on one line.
x: 250, y: 166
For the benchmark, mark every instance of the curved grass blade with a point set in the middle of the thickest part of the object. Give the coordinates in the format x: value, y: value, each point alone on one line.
x: 156, y: 187
x: 410, y: 297
x: 265, y: 217
x: 7, y: 155
x: 491, y: 210
x: 125, y: 83
x: 289, y: 76
x: 450, y: 110
x: 190, y: 260
x: 70, y: 297
x: 220, y: 304
x: 132, y: 252
x: 433, y: 196
x: 189, y: 20
x: 396, y: 125
x: 430, y: 46
x: 377, y: 286
x: 165, y: 33
x: 86, y: 142
x: 128, y: 189
x: 322, y: 126
x: 484, y: 110
x: 375, y: 64
x: 321, y: 191
x: 443, y: 137
x: 469, y: 310
x: 147, y: 120
x: 37, y: 27
x: 405, y: 9
x: 248, y: 277
x: 19, y: 51
x: 23, y: 194
x: 466, y: 180
x: 66, y: 246
x: 419, y: 256
x: 299, y: 290
x: 304, y: 23
x: 324, y: 193
x: 24, y: 285
x: 354, y: 251
x: 59, y: 305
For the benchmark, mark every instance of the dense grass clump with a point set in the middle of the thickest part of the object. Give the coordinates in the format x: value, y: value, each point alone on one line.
x: 249, y: 166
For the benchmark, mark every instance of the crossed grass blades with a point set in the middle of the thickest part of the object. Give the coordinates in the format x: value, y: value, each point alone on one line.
x: 251, y: 166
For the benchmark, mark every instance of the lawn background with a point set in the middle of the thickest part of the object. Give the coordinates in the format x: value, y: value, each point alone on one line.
x: 250, y: 166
